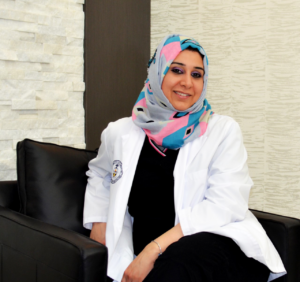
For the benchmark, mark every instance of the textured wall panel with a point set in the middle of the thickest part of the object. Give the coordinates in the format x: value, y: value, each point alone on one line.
x: 41, y: 75
x: 248, y: 86
x: 254, y: 56
x: 282, y: 135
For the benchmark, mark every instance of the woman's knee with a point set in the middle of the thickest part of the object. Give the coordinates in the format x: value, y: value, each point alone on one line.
x: 197, y: 244
x: 171, y: 270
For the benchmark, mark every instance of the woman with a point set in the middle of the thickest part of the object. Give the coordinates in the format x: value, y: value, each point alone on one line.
x: 176, y: 161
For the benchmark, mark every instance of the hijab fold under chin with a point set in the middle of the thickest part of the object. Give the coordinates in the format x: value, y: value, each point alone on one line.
x: 165, y: 126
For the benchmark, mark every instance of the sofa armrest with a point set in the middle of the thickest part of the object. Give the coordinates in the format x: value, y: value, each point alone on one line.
x: 284, y: 232
x: 9, y: 195
x: 31, y: 250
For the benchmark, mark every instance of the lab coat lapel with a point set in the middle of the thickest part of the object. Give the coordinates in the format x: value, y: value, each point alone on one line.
x: 131, y: 145
x: 179, y: 175
x: 186, y: 155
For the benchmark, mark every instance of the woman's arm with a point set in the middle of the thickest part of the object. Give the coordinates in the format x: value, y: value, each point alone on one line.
x: 97, y: 192
x: 144, y: 262
x: 98, y: 232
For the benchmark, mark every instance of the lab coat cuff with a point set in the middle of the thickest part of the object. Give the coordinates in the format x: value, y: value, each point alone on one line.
x: 184, y: 222
x: 88, y: 222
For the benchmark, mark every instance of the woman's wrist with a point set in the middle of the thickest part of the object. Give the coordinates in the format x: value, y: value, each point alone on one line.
x: 98, y: 223
x: 153, y: 250
x: 158, y: 245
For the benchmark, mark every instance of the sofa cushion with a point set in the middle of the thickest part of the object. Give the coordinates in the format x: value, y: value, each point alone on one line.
x: 9, y: 197
x: 52, y: 181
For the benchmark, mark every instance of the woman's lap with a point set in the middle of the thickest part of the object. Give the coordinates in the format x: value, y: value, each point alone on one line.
x: 206, y: 257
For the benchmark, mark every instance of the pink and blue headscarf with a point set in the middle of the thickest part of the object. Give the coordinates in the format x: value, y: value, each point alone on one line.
x: 165, y: 126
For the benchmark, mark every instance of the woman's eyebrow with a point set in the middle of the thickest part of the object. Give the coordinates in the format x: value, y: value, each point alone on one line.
x: 181, y: 64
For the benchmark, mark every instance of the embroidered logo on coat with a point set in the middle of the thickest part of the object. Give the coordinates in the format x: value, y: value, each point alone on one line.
x: 117, y: 171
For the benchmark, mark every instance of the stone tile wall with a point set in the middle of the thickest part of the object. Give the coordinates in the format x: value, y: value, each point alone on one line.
x: 41, y: 75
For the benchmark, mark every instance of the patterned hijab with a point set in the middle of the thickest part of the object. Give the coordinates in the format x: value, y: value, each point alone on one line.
x: 165, y: 126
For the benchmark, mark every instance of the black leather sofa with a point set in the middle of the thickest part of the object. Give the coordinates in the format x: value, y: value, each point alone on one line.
x: 41, y: 233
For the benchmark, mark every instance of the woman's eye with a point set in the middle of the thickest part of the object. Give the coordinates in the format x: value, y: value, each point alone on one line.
x: 196, y: 75
x: 177, y: 70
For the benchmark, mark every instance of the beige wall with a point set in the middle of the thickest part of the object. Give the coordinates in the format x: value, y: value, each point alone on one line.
x: 253, y: 48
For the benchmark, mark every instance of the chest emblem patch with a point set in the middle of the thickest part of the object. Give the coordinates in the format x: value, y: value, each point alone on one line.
x: 117, y: 171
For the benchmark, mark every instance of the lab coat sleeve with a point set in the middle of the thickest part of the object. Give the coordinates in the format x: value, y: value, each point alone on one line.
x: 228, y: 186
x: 97, y: 191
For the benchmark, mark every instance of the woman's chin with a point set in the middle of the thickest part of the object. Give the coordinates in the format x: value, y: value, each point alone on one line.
x: 181, y: 105
x: 180, y: 108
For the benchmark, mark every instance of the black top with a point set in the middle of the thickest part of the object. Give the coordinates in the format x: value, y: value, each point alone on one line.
x: 151, y: 200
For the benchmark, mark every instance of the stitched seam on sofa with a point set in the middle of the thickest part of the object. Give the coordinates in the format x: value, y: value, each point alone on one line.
x: 1, y: 265
x: 50, y: 235
x: 37, y: 262
x: 20, y: 200
x: 296, y: 219
x: 25, y: 186
x: 61, y: 146
x: 18, y: 176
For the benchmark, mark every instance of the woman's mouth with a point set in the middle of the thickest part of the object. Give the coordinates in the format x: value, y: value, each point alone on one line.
x: 182, y: 95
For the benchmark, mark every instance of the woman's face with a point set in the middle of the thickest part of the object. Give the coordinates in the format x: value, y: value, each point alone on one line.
x: 183, y: 83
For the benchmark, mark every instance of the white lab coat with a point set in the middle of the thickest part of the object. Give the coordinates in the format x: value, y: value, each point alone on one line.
x: 211, y: 191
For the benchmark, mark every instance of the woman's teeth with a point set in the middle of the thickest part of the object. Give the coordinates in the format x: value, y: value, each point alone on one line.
x: 182, y: 94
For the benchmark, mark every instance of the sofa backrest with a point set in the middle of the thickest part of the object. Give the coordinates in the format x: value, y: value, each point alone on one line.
x: 52, y: 181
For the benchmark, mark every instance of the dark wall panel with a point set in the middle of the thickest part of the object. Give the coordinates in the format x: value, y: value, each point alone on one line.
x: 117, y: 50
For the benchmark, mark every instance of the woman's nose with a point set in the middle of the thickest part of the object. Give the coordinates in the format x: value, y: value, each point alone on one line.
x: 186, y: 81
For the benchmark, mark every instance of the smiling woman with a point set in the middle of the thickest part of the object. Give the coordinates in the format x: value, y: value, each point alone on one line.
x: 171, y: 108
x: 183, y: 83
x: 168, y: 192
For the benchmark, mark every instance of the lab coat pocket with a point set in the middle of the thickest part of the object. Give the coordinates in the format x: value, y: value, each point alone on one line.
x: 196, y: 185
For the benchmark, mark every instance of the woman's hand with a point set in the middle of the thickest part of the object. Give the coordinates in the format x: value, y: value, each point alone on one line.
x: 142, y: 264
x: 98, y: 232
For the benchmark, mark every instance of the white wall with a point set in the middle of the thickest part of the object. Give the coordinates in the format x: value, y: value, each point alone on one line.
x: 41, y: 75
x: 254, y: 55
